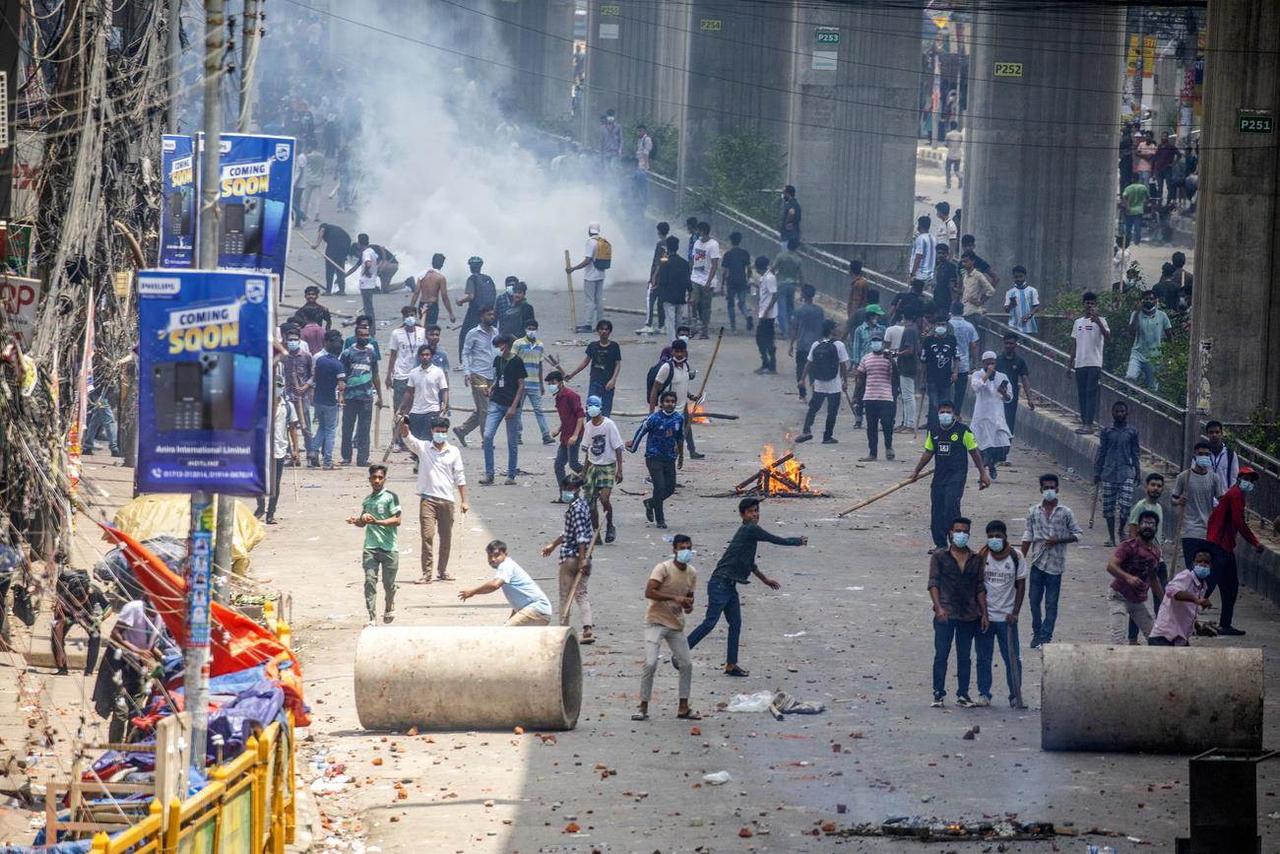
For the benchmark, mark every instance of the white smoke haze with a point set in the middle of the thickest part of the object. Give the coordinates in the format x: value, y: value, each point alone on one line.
x: 439, y: 169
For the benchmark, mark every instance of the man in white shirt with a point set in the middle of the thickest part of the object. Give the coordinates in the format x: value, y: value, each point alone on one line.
x: 426, y: 394
x: 529, y: 605
x: 924, y: 252
x: 705, y: 266
x: 766, y: 316
x: 955, y: 150
x: 603, y: 445
x: 403, y: 358
x: 368, y: 281
x: 1022, y: 301
x: 944, y: 229
x: 644, y: 147
x: 1005, y: 573
x: 439, y: 473
x: 593, y: 279
x: 1090, y: 333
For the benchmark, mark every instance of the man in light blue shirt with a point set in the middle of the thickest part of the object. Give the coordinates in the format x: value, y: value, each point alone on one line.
x: 478, y: 354
x: 529, y: 605
x: 966, y: 353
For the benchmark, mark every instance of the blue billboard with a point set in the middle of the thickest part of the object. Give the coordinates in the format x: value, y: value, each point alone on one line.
x: 179, y: 201
x: 204, y: 381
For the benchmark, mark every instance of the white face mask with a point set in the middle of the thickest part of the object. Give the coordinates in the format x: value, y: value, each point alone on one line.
x: 1204, y: 461
x: 531, y: 334
x: 439, y: 438
x: 939, y: 330
x: 1049, y: 494
x: 410, y: 322
x: 553, y: 388
x: 877, y: 346
x: 593, y: 411
x: 946, y: 419
x: 294, y: 346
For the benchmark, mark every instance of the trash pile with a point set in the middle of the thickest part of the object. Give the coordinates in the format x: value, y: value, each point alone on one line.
x: 933, y: 829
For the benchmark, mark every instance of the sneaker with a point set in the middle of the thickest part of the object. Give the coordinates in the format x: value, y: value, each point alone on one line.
x: 646, y: 330
x: 648, y: 510
x: 547, y: 440
x: 519, y: 440
x: 582, y: 329
x: 272, y: 520
x: 611, y: 534
x: 761, y: 371
x: 660, y: 524
x: 868, y: 459
x: 937, y: 702
x: 694, y: 455
x: 888, y: 455
x: 804, y: 437
x: 1084, y: 431
x: 1230, y: 631
x: 330, y: 467
x: 389, y: 617
x: 1015, y: 703
x: 983, y: 701
x: 371, y: 623
x: 830, y: 440
x: 964, y: 702
x: 511, y: 481
x: 1036, y: 642
x: 487, y: 480
x: 462, y: 437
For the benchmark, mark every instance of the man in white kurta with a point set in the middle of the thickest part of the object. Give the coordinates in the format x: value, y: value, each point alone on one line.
x: 991, y: 391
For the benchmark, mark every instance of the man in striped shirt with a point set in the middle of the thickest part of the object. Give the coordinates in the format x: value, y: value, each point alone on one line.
x: 875, y: 389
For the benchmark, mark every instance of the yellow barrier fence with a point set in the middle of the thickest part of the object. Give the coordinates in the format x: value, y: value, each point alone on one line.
x: 248, y: 807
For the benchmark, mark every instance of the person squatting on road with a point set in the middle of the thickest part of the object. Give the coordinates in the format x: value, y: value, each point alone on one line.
x: 529, y: 605
x: 736, y: 566
x: 670, y: 590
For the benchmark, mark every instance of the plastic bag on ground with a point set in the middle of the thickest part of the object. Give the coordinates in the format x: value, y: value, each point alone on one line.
x: 757, y: 702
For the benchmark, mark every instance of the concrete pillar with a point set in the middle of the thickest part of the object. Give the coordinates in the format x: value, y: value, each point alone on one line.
x: 1189, y: 699
x: 1042, y: 144
x: 537, y: 39
x: 1236, y: 307
x: 855, y: 73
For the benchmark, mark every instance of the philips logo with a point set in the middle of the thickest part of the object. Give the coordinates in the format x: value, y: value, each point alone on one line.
x: 166, y: 286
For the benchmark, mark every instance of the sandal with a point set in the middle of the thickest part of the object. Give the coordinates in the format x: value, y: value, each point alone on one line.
x: 640, y: 716
x: 690, y: 715
x: 586, y: 637
x: 735, y: 671
x: 447, y: 577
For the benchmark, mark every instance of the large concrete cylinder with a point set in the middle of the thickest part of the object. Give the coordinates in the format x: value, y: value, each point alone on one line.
x: 1150, y: 699
x: 468, y: 677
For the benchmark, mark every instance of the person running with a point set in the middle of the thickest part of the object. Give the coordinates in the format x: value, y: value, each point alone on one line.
x: 530, y: 350
x: 1050, y: 527
x: 766, y: 317
x: 477, y: 361
x: 947, y: 445
x: 380, y: 518
x: 604, y: 463
x: 426, y: 396
x: 663, y: 453
x: 359, y: 392
x: 806, y: 328
x: 736, y: 566
x: 958, y: 590
x: 1117, y: 467
x: 735, y: 269
x: 827, y: 367
x: 605, y: 358
x: 506, y: 396
x: 992, y: 392
x: 670, y: 590
x: 1134, y: 579
x: 1226, y: 523
x: 440, y: 473
x: 529, y: 605
x: 876, y: 389
x: 1196, y: 491
x: 1004, y: 574
x: 368, y: 282
x: 569, y: 433
x: 574, y: 543
x: 1184, y: 597
x: 431, y: 289
x: 479, y: 293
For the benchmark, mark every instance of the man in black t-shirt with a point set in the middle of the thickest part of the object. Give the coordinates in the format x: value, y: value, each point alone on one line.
x: 337, y: 246
x: 655, y: 317
x: 674, y: 285
x: 505, y: 396
x: 1014, y: 367
x: 950, y: 445
x: 733, y: 267
x: 605, y: 358
x: 939, y: 353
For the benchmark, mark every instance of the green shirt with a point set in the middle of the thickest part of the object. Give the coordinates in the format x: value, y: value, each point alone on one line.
x: 1136, y: 195
x: 1151, y: 332
x: 786, y: 266
x: 381, y: 505
x: 1154, y: 508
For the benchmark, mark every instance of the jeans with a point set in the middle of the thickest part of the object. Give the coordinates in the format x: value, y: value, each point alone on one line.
x: 1087, y: 381
x: 605, y: 395
x: 277, y: 478
x: 958, y: 390
x: 786, y: 305
x: 335, y: 278
x: 674, y: 312
x: 375, y: 562
x: 832, y: 400
x: 366, y: 301
x: 1132, y: 229
x: 737, y: 298
x: 101, y: 418
x: 654, y: 635
x: 722, y: 598
x: 1226, y: 576
x: 937, y: 392
x: 879, y: 414
x: 435, y: 516
x: 765, y: 344
x: 962, y: 632
x: 326, y: 430
x: 593, y: 293
x: 496, y: 415
x: 533, y: 396
x: 567, y: 454
x: 662, y: 471
x: 945, y: 491
x: 1011, y: 414
x: 357, y: 419
x: 802, y: 359
x: 908, y: 408
x: 1005, y: 634
x: 1142, y: 370
x: 1044, y: 587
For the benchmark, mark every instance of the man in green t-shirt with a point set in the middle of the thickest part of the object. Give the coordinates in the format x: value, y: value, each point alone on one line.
x: 380, y: 517
x: 1134, y: 200
x: 786, y: 267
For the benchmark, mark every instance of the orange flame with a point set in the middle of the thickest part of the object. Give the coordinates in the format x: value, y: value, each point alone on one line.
x: 791, y: 469
x: 696, y: 414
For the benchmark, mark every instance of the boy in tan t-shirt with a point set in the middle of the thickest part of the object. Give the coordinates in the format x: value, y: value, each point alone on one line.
x: 670, y: 594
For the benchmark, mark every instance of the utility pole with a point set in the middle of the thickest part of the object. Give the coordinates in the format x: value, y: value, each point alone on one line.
x: 250, y: 33
x: 196, y: 647
x: 174, y: 62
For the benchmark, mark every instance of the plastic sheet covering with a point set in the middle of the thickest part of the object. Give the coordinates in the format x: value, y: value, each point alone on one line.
x: 114, y: 572
x: 150, y: 516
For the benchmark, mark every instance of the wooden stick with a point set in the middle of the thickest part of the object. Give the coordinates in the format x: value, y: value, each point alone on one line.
x: 760, y: 471
x: 615, y: 310
x: 573, y: 588
x: 1093, y: 510
x: 888, y: 491
x: 573, y: 306
x: 711, y: 364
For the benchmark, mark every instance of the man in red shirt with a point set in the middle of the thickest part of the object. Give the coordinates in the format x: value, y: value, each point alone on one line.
x: 1225, y: 522
x: 1134, y: 575
x: 569, y: 408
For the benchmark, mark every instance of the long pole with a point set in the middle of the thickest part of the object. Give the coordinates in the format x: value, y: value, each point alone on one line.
x: 196, y: 646
x: 174, y: 62
x: 248, y: 47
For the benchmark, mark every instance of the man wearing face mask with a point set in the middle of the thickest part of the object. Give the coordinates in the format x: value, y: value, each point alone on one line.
x: 299, y: 383
x: 360, y: 392
x: 1184, y: 597
x: 669, y: 591
x: 574, y: 544
x: 948, y: 444
x: 517, y: 313
x: 1150, y: 328
x: 1005, y: 578
x: 959, y: 596
x: 1049, y: 528
x: 530, y: 349
x: 1196, y: 491
x: 402, y: 359
x: 663, y: 453
x: 426, y: 397
x: 604, y: 463
x: 991, y: 391
x: 440, y: 472
x: 939, y: 351
x: 572, y: 416
x: 1226, y: 523
x: 1134, y: 578
x: 477, y: 362
x: 478, y: 293
x: 505, y: 396
x: 1117, y: 467
x: 876, y: 381
x: 329, y: 375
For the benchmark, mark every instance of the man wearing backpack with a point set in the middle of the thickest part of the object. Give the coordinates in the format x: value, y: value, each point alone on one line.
x: 598, y: 258
x: 828, y: 369
x: 672, y: 373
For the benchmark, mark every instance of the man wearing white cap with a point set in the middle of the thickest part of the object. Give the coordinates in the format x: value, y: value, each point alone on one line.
x: 598, y: 258
x: 991, y: 391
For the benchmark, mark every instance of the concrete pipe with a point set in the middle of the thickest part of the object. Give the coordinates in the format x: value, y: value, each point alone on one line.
x: 468, y: 677
x: 1150, y: 699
